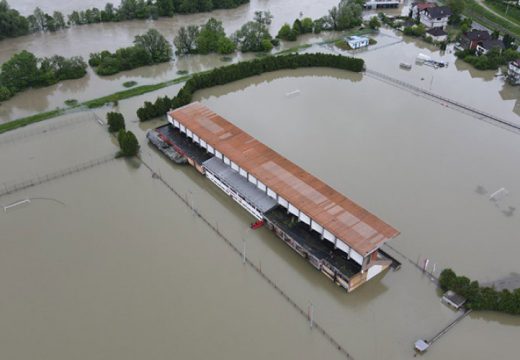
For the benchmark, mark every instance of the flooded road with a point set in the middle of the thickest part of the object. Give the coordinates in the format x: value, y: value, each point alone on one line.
x: 125, y: 268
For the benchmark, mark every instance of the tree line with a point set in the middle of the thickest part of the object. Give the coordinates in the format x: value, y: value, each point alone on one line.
x: 478, y: 297
x: 242, y: 70
x: 211, y: 38
x: 13, y: 24
x: 148, y: 49
x: 491, y: 60
x: 24, y: 70
x: 346, y: 15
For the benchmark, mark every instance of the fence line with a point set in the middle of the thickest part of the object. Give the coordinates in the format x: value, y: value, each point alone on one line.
x: 479, y: 114
x: 239, y: 252
x: 9, y: 189
x: 53, y: 126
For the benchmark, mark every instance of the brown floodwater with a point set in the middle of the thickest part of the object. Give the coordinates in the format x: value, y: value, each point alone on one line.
x: 123, y: 269
x: 480, y: 89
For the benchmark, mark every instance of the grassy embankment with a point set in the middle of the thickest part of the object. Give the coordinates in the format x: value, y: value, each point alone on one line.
x: 90, y: 104
x: 488, y: 19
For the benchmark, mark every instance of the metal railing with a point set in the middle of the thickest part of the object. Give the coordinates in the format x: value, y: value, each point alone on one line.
x: 9, y: 189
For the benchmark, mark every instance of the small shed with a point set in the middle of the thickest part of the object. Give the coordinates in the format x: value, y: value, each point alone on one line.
x: 453, y: 299
x: 421, y: 345
x: 357, y: 42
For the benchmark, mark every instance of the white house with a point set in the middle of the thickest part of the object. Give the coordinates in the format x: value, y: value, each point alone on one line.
x: 357, y: 42
x: 513, y: 73
x: 381, y: 4
x: 435, y: 17
x: 418, y: 7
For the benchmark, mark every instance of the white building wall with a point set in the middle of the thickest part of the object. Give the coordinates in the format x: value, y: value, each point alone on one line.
x: 317, y: 227
x: 294, y: 210
x: 271, y: 193
x: 283, y: 202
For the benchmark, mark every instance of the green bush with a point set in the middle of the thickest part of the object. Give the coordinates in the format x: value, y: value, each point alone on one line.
x: 129, y: 84
x: 490, y: 61
x: 115, y: 121
x: 71, y: 102
x: 4, y: 93
x: 242, y: 70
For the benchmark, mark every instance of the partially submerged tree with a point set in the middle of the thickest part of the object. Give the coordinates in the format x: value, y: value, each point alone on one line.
x: 128, y: 143
x: 154, y: 43
x: 115, y: 121
x: 185, y: 40
x: 251, y: 36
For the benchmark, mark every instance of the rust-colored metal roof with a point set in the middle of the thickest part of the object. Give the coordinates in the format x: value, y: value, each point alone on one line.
x: 346, y: 220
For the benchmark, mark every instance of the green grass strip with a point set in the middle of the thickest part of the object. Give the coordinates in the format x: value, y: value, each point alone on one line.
x: 90, y: 104
x: 125, y: 94
x: 478, y: 12
x: 15, y: 124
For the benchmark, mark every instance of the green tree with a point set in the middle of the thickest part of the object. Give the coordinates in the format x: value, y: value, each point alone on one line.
x: 250, y: 36
x: 4, y: 93
x: 166, y: 7
x: 39, y: 19
x: 263, y: 17
x: 286, y: 33
x: 509, y: 41
x: 210, y: 33
x: 307, y: 25
x: 157, y: 47
x: 225, y: 46
x: 19, y: 72
x: 184, y: 41
x: 297, y: 27
x: 456, y: 6
x: 349, y: 14
x: 115, y: 121
x: 374, y: 23
x: 59, y: 19
x: 128, y: 143
x: 12, y: 24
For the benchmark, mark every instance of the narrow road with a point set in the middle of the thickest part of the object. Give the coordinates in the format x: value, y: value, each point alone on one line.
x: 483, y: 4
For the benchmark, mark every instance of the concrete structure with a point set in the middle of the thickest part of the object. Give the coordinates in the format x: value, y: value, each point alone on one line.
x: 357, y: 42
x: 382, y: 4
x: 435, y: 17
x: 437, y: 34
x: 337, y: 236
x: 513, y: 72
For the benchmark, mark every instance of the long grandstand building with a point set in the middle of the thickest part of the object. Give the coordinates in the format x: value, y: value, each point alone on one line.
x: 337, y: 236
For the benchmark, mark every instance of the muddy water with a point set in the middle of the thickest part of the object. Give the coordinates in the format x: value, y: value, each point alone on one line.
x: 142, y: 276
x: 83, y: 40
x: 435, y: 164
x: 458, y: 81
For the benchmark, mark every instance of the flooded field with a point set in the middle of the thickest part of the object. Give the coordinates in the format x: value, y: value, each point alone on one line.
x: 144, y: 276
x: 109, y: 263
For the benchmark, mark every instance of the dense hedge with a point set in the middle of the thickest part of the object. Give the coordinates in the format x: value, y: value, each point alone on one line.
x: 242, y: 70
x: 481, y: 298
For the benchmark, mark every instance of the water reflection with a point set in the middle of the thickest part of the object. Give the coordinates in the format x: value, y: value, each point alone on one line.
x: 488, y: 75
x: 267, y: 78
x: 509, y: 92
